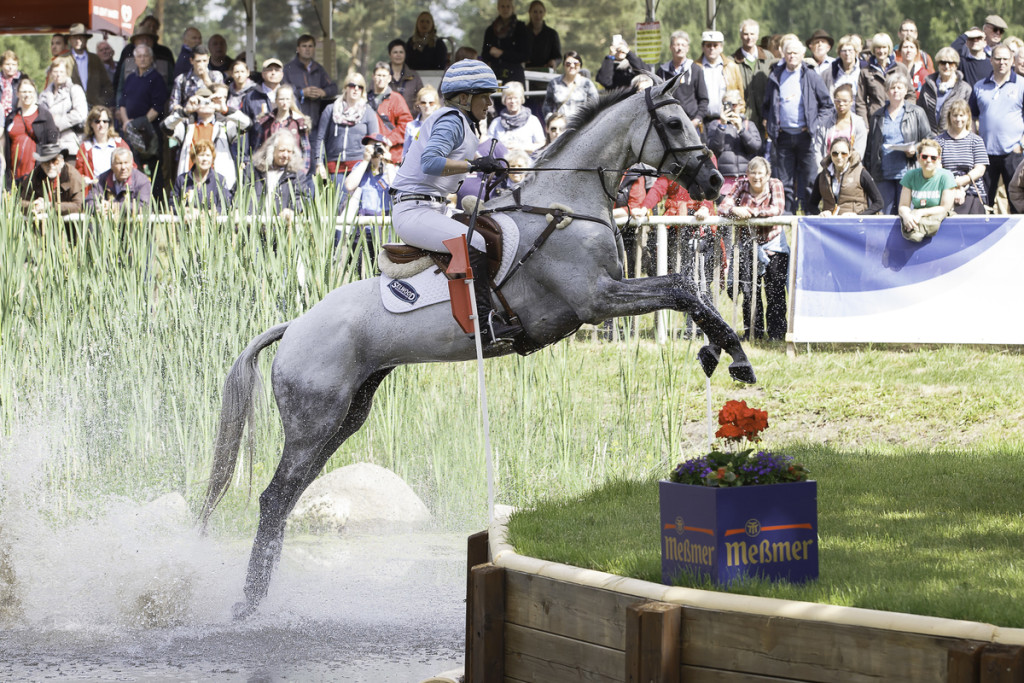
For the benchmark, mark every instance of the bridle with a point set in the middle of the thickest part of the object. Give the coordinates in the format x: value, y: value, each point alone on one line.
x: 687, y: 170
x: 691, y: 167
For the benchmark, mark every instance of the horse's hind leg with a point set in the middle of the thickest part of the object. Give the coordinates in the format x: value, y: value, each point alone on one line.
x: 622, y: 298
x: 305, y: 454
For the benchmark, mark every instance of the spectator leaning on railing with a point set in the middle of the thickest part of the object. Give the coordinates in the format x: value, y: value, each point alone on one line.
x: 121, y: 188
x: 53, y: 185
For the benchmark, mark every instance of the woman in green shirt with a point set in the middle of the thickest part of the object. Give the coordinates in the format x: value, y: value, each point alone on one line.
x: 927, y: 194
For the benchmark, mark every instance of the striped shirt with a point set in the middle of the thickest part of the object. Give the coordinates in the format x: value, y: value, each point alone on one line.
x: 960, y: 156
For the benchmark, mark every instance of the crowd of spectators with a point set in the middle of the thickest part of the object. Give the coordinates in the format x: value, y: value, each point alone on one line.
x: 816, y: 125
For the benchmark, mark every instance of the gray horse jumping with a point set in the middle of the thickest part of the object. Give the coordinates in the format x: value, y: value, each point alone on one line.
x: 332, y: 358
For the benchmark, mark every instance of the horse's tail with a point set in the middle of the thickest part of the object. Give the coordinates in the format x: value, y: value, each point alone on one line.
x: 236, y: 409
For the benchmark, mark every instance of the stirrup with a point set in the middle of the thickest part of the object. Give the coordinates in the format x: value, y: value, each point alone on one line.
x: 500, y: 330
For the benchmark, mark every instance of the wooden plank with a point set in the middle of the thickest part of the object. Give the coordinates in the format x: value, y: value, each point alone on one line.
x: 541, y: 657
x: 699, y: 674
x: 963, y: 662
x: 810, y: 651
x: 653, y: 635
x: 582, y: 613
x: 477, y: 552
x: 488, y: 633
x: 1002, y: 664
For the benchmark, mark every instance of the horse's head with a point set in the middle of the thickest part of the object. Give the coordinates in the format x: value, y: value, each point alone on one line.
x: 681, y: 156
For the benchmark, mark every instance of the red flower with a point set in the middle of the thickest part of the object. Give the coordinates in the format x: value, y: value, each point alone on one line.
x: 740, y: 421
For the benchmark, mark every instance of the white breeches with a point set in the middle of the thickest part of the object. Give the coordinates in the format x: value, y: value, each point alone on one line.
x: 427, y: 224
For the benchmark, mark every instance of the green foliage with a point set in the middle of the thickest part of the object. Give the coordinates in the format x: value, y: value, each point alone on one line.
x: 33, y: 55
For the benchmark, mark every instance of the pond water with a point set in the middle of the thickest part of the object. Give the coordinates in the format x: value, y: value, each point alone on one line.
x: 135, y: 594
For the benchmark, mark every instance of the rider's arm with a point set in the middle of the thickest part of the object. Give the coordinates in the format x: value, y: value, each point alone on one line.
x: 445, y: 137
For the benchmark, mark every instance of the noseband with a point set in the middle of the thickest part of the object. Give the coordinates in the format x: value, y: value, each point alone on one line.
x: 689, y: 169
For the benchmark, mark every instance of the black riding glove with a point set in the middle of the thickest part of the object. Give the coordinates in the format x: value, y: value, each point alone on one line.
x: 488, y: 165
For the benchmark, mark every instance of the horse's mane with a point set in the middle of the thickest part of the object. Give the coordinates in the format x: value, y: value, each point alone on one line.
x: 578, y: 121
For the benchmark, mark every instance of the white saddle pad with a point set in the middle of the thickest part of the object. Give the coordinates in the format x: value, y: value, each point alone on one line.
x: 430, y: 286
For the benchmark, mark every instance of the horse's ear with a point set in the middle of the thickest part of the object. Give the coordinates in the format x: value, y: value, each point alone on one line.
x: 666, y: 87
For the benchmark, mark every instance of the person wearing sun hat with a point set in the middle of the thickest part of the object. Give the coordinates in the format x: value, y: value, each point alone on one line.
x: 89, y: 71
x: 437, y: 162
x: 820, y: 43
x: 53, y: 184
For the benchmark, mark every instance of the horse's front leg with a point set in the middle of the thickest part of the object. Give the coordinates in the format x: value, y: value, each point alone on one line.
x: 623, y: 298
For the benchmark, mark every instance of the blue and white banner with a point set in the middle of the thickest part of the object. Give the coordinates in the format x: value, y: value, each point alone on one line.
x: 859, y: 280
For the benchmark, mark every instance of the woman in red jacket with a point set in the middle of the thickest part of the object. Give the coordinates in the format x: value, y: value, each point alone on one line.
x: 97, y: 149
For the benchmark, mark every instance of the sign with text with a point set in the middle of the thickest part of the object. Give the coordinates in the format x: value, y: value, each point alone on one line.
x: 730, y: 532
x: 858, y: 280
x: 648, y: 42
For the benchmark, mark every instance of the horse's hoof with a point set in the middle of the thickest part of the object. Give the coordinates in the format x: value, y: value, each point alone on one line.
x: 242, y: 610
x: 708, y: 359
x: 742, y: 372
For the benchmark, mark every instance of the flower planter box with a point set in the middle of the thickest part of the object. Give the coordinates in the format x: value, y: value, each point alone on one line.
x: 729, y: 532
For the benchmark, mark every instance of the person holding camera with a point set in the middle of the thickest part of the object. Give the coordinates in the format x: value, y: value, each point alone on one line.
x: 372, y: 178
x: 734, y: 139
x: 188, y: 126
x: 619, y: 66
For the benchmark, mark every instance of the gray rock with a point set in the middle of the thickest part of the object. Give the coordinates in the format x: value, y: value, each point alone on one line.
x: 358, y: 495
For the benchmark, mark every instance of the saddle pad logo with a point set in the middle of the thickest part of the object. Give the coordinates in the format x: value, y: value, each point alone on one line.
x: 403, y: 291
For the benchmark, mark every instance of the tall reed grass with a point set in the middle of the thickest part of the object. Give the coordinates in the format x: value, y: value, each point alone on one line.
x: 117, y: 333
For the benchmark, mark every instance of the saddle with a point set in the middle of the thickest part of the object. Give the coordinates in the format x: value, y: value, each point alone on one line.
x: 485, y: 225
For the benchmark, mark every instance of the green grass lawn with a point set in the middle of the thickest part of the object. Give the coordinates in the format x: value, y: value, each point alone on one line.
x: 938, y: 533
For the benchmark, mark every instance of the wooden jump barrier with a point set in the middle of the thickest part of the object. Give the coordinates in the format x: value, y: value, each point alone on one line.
x: 571, y: 625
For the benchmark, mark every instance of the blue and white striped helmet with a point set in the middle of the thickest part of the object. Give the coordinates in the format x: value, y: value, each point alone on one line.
x: 468, y: 75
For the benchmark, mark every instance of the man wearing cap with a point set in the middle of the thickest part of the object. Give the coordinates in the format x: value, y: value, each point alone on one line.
x: 438, y: 161
x: 264, y: 96
x: 89, y: 71
x: 720, y: 73
x: 121, y: 187
x: 199, y: 76
x: 313, y: 87
x: 753, y: 62
x: 998, y: 106
x: 796, y: 104
x: 53, y: 184
x: 691, y: 91
x: 820, y: 43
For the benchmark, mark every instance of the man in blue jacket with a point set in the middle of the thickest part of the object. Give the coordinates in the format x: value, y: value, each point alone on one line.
x: 796, y: 102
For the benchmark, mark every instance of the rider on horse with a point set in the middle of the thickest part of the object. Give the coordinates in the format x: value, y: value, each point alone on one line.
x: 435, y: 165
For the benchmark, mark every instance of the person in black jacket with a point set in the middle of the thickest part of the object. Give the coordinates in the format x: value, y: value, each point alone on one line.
x: 691, y: 92
x: 733, y: 138
x: 620, y: 66
x: 506, y: 44
x: 947, y: 81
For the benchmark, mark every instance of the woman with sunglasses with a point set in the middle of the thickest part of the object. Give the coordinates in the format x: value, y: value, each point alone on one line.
x: 942, y: 88
x: 964, y: 155
x: 339, y: 137
x: 570, y: 91
x: 928, y: 193
x: 94, y: 156
x: 844, y: 187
